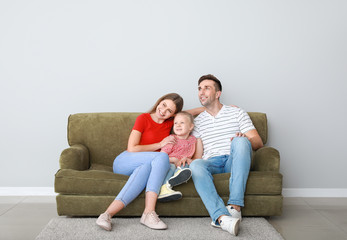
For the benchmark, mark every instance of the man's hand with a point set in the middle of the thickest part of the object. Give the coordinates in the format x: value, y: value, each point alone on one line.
x: 238, y: 134
x: 253, y: 137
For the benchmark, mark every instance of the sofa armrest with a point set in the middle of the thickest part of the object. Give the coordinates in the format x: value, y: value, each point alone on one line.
x: 266, y: 159
x: 75, y: 157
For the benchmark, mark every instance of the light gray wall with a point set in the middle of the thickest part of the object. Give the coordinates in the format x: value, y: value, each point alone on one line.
x: 285, y: 58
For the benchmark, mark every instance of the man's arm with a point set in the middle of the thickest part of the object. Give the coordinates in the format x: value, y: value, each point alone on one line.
x: 199, y: 150
x: 255, y: 139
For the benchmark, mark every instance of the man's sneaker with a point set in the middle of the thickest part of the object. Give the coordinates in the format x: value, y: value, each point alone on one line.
x: 104, y: 221
x: 234, y: 213
x: 152, y: 220
x: 167, y: 194
x: 181, y: 176
x: 230, y: 224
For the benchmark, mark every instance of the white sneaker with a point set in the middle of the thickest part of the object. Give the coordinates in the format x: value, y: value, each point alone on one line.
x: 230, y: 224
x: 104, y: 221
x: 234, y: 213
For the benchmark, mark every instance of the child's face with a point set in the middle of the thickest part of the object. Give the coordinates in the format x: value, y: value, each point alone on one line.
x: 182, y: 125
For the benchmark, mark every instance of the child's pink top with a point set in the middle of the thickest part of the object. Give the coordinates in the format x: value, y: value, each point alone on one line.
x: 182, y: 148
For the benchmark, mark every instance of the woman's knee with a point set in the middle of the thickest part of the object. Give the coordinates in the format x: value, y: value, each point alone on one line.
x: 163, y: 160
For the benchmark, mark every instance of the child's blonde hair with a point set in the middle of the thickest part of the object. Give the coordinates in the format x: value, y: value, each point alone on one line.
x: 187, y: 114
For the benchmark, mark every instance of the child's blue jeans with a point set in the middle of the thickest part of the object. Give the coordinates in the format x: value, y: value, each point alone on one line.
x: 173, y: 169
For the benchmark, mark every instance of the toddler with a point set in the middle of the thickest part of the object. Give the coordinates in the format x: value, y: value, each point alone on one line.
x: 180, y: 155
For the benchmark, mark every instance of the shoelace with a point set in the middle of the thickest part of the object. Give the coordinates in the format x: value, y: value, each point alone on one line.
x: 107, y: 217
x: 154, y: 216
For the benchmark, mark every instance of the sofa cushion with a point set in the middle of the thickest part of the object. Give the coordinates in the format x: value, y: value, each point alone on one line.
x: 97, y: 182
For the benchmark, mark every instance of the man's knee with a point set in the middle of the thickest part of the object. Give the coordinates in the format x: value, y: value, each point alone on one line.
x: 197, y: 166
x: 241, y: 142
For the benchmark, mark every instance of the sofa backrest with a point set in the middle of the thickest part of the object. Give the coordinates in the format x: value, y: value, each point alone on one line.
x: 106, y: 134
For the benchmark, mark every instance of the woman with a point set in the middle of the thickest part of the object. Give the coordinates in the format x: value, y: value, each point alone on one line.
x: 146, y: 166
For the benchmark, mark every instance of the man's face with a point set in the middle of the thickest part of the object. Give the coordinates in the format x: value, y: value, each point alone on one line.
x: 207, y: 93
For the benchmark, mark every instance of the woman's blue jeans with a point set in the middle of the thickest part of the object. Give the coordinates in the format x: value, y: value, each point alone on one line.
x: 237, y: 163
x: 146, y: 169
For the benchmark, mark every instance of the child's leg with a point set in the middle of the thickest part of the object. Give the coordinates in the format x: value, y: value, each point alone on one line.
x: 170, y: 173
x: 181, y: 175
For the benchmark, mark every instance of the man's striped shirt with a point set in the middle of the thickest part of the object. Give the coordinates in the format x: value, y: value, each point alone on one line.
x: 216, y: 132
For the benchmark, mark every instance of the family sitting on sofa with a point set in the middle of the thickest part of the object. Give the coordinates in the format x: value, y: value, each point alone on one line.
x: 219, y: 140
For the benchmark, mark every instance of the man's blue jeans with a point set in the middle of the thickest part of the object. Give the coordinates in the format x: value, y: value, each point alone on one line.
x: 146, y: 169
x: 237, y: 163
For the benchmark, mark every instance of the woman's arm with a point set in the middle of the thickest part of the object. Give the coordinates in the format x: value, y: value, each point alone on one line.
x: 134, y: 143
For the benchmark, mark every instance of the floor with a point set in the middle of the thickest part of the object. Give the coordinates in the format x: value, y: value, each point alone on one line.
x: 303, y: 218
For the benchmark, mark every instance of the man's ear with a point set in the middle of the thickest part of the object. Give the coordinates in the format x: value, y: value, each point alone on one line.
x: 218, y: 94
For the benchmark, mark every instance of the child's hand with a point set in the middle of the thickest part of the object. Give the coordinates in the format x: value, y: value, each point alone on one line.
x: 189, y: 161
x: 174, y: 160
x: 182, y: 162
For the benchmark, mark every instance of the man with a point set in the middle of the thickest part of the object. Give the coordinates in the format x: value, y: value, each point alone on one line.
x: 225, y: 138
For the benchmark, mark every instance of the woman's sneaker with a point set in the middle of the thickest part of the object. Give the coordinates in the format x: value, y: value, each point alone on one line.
x: 167, y: 194
x: 104, y: 221
x: 181, y: 176
x: 152, y: 220
x: 230, y: 224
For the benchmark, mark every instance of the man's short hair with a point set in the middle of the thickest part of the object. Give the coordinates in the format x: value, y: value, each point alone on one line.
x: 217, y: 83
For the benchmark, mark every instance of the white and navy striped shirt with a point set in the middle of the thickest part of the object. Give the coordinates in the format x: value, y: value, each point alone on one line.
x: 216, y: 132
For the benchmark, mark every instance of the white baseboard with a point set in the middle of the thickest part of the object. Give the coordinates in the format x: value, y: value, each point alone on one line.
x: 286, y: 192
x: 314, y: 192
x: 27, y: 191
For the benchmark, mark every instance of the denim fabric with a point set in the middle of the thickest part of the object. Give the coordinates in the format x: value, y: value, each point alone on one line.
x: 237, y: 163
x: 146, y: 169
x: 173, y: 169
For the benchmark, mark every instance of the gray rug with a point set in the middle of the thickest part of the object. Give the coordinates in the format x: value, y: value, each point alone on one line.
x: 130, y: 228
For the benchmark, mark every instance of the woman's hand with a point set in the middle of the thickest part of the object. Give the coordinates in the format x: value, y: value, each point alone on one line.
x: 169, y: 139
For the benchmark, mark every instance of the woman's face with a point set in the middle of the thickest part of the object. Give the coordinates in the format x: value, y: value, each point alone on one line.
x: 165, y: 109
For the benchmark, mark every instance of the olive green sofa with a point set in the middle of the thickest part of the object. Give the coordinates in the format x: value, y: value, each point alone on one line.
x: 86, y: 184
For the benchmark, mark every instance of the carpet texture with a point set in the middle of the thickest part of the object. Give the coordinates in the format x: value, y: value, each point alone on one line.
x: 178, y: 228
